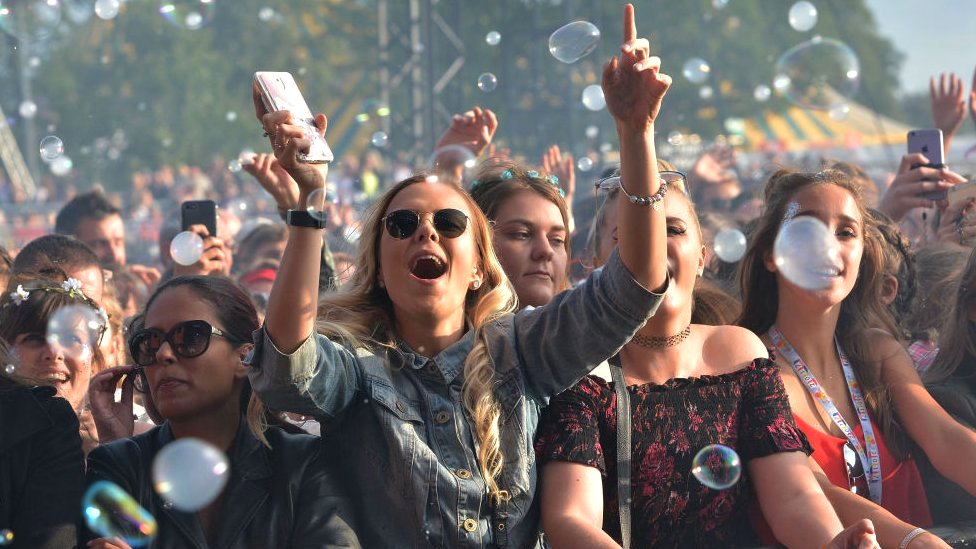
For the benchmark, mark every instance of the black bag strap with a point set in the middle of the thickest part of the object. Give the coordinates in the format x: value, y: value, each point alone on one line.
x: 623, y: 452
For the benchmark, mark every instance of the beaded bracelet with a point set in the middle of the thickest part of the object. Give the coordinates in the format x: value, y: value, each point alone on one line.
x: 653, y: 200
x: 910, y: 537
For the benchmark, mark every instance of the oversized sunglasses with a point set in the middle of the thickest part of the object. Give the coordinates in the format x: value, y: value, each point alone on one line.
x: 855, y: 470
x: 449, y: 223
x: 669, y: 177
x: 188, y: 339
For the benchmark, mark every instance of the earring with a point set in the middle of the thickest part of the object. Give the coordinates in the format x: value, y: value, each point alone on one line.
x: 475, y: 284
x: 381, y: 284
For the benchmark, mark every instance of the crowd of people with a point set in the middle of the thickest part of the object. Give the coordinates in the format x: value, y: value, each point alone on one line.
x: 499, y: 358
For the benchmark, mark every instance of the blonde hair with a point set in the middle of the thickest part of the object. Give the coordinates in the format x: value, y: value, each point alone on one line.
x: 361, y: 314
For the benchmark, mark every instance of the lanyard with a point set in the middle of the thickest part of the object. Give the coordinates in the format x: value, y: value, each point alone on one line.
x: 872, y: 459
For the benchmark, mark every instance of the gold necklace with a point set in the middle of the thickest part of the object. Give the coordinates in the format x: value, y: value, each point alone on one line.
x: 653, y: 342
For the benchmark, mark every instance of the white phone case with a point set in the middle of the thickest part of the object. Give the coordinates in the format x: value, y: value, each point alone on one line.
x: 280, y: 92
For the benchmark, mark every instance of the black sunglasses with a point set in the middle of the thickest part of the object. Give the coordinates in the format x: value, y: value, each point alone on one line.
x: 855, y: 470
x: 188, y: 339
x: 449, y: 223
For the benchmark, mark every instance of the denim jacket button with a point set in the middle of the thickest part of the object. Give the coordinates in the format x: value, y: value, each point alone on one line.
x: 442, y: 417
x: 470, y: 525
x: 400, y: 407
x: 463, y: 473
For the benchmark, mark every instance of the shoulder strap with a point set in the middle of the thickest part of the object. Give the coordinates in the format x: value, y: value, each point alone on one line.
x: 623, y: 452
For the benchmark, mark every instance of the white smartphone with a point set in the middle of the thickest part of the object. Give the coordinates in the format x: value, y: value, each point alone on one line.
x: 280, y: 92
x: 929, y: 143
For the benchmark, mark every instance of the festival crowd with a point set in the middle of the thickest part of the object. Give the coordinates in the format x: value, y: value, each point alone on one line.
x: 503, y: 356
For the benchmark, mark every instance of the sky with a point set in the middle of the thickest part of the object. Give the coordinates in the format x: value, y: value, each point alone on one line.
x: 933, y: 35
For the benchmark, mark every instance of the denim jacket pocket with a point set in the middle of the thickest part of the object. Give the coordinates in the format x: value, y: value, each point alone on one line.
x: 403, y: 431
x: 516, y: 442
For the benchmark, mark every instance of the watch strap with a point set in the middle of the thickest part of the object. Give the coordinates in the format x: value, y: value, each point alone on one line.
x: 301, y: 218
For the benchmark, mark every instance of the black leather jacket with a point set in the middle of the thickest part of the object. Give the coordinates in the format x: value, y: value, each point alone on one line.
x: 42, y: 467
x: 276, y: 497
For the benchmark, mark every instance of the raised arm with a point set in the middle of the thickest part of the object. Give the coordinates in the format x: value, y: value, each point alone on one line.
x: 634, y: 88
x: 293, y: 301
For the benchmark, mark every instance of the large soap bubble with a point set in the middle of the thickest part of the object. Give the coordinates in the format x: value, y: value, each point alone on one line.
x: 696, y: 70
x: 445, y: 160
x: 317, y: 203
x: 818, y: 74
x: 487, y: 82
x: 717, y: 467
x: 186, y: 248
x: 574, y: 41
x: 807, y: 253
x: 190, y: 473
x: 107, y: 9
x: 51, y: 148
x: 75, y: 330
x: 110, y: 512
x: 493, y: 38
x: 187, y: 14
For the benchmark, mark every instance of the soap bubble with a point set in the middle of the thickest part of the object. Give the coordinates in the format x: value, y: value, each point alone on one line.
x: 806, y: 253
x: 730, y: 245
x: 762, y: 93
x: 720, y: 4
x: 234, y: 165
x: 379, y: 139
x: 818, y: 73
x: 30, y: 20
x: 717, y: 467
x: 246, y: 156
x: 110, y: 512
x: 318, y: 201
x: 839, y: 111
x: 27, y: 109
x: 574, y: 41
x: 51, y: 148
x: 75, y: 330
x: 444, y: 160
x: 186, y: 247
x: 487, y: 82
x: 593, y: 98
x: 706, y: 92
x: 803, y: 16
x: 6, y: 537
x: 231, y: 116
x: 61, y: 166
x: 493, y: 38
x: 592, y: 132
x: 9, y: 369
x: 107, y: 9
x: 266, y: 14
x: 187, y: 14
x: 584, y: 164
x: 696, y: 70
x: 190, y: 473
x: 675, y: 138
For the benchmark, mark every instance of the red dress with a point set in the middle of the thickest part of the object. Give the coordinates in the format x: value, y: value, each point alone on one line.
x: 902, y: 492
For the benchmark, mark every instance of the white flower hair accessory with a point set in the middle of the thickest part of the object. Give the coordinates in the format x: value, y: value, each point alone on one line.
x: 20, y: 295
x: 72, y: 285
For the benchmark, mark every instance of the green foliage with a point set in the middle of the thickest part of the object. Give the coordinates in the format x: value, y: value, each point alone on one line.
x: 169, y: 90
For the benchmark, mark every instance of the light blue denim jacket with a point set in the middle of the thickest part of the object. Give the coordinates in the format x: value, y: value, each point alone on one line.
x: 404, y: 444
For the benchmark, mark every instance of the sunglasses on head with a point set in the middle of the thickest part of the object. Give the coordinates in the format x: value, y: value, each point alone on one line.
x: 188, y: 339
x: 449, y: 223
x: 855, y: 470
x: 669, y: 177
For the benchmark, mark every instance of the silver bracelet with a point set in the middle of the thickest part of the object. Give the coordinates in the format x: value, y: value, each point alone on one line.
x: 909, y: 537
x: 653, y: 200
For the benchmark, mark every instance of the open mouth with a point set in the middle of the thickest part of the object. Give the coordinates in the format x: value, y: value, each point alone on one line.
x: 428, y: 267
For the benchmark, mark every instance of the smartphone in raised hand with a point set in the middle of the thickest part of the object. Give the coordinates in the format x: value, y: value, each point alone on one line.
x: 929, y: 143
x: 280, y: 92
x: 199, y: 212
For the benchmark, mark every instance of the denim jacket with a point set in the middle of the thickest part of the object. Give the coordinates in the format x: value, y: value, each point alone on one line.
x: 401, y: 437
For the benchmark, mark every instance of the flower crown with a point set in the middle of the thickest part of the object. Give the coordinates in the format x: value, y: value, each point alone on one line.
x: 71, y: 287
x: 532, y: 174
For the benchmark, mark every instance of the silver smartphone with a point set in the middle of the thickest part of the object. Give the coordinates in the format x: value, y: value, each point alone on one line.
x: 928, y: 142
x: 280, y: 92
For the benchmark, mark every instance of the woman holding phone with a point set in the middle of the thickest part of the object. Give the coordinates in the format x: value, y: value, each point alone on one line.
x: 428, y: 385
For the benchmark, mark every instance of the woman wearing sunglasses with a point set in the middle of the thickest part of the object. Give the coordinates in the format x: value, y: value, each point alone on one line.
x: 189, y: 348
x: 529, y: 221
x: 430, y: 386
x: 853, y: 390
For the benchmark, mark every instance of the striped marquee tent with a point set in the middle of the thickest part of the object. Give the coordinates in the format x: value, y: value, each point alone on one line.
x: 803, y: 129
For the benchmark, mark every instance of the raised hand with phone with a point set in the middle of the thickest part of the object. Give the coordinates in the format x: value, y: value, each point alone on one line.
x: 923, y: 179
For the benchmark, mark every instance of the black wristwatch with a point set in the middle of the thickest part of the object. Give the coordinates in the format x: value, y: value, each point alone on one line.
x: 301, y: 218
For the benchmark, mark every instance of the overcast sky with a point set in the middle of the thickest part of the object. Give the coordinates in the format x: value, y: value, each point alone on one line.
x: 934, y: 36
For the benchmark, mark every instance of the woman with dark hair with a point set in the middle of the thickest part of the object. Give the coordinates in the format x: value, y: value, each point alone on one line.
x: 189, y: 351
x: 530, y: 228
x: 42, y: 466
x: 852, y: 387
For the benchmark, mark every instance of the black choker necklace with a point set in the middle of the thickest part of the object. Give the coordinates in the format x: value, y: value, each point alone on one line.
x: 653, y: 342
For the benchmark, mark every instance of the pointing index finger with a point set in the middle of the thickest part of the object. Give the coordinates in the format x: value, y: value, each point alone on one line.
x: 630, y: 27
